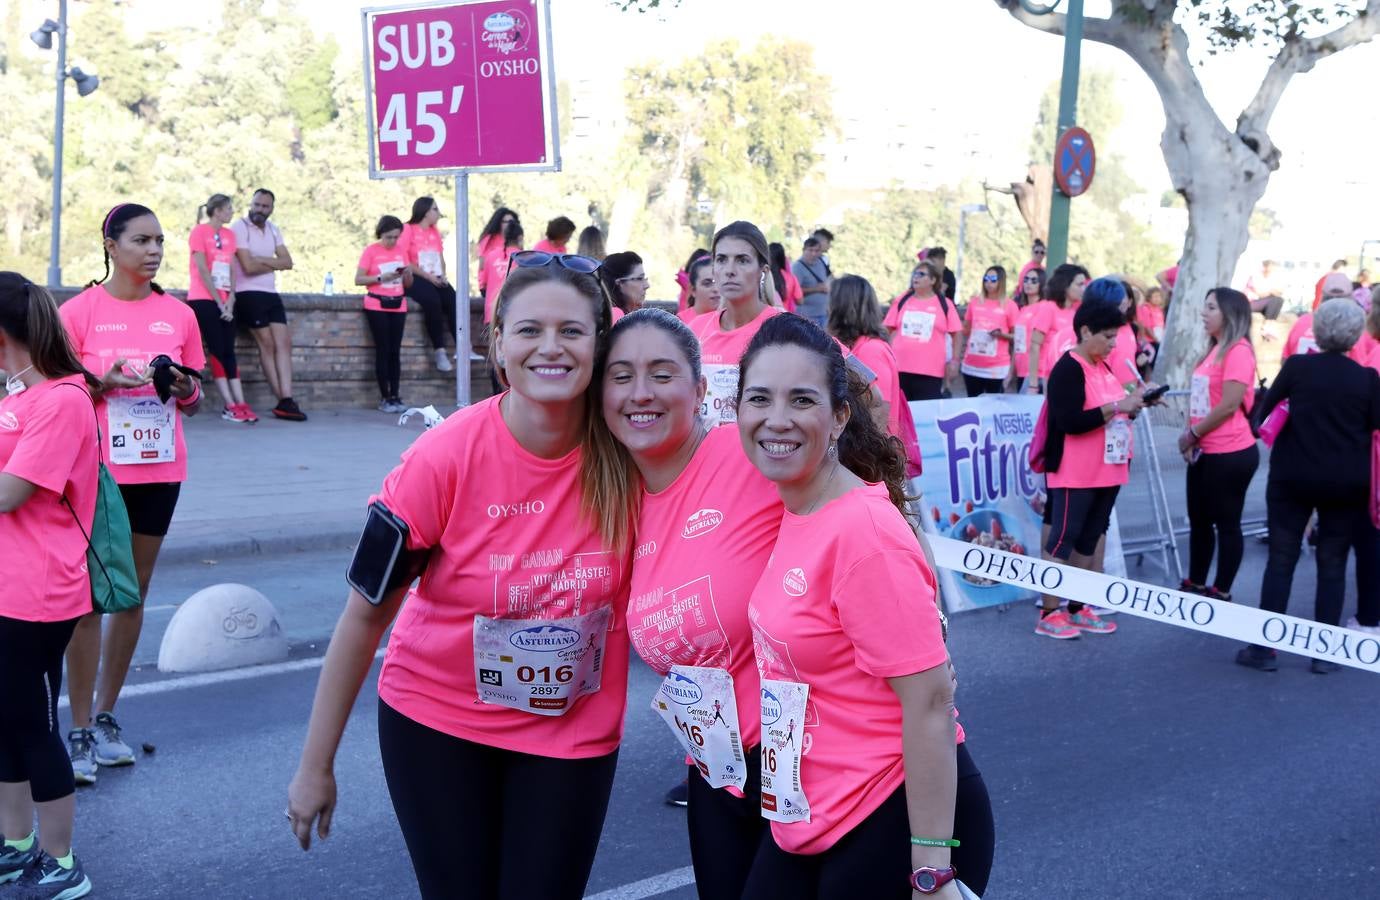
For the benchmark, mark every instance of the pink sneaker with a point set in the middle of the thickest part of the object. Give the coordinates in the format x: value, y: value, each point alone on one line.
x: 1057, y: 625
x: 1087, y: 620
x: 246, y: 414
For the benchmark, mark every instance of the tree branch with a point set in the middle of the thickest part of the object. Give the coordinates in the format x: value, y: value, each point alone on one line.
x: 1300, y: 55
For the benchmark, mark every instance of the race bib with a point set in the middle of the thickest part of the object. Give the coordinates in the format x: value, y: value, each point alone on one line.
x: 389, y: 270
x: 430, y: 261
x: 699, y: 705
x: 220, y: 275
x: 783, y: 718
x: 1117, y: 450
x: 981, y: 343
x: 539, y: 666
x: 1021, y: 346
x: 142, y: 429
x: 1199, y: 401
x: 720, y: 406
x: 917, y: 324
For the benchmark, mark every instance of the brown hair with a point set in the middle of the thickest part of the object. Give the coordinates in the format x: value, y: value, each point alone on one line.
x: 853, y: 311
x: 29, y: 314
x: 608, y: 489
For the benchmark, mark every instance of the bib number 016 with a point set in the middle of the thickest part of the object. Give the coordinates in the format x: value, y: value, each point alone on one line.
x: 562, y: 674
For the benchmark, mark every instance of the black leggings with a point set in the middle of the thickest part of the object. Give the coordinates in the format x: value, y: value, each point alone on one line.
x: 976, y: 386
x: 31, y: 746
x: 1217, y: 485
x: 921, y: 387
x: 387, y: 329
x: 438, y: 309
x: 219, y: 336
x: 493, y: 824
x: 726, y: 832
x: 1078, y: 517
x: 873, y: 860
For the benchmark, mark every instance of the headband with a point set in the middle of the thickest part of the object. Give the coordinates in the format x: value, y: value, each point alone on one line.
x: 105, y: 226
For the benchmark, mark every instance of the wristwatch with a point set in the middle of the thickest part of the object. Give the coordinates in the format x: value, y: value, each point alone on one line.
x: 928, y: 880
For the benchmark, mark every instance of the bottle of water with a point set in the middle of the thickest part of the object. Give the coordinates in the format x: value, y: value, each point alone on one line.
x: 329, y: 288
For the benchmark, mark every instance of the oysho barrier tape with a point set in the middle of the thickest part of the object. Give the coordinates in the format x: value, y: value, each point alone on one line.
x: 1147, y: 601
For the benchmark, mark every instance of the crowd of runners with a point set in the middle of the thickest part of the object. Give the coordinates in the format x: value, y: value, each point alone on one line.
x: 723, y: 490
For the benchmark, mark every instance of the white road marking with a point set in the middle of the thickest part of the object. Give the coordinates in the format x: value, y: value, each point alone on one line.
x: 160, y: 608
x: 206, y: 679
x: 649, y: 887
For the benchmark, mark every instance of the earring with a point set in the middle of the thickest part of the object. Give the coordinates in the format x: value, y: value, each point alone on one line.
x: 833, y: 449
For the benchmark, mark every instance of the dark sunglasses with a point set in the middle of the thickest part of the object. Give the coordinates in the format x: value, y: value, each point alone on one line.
x: 216, y: 235
x: 1037, y: 252
x: 990, y: 279
x: 535, y: 259
x: 1031, y: 279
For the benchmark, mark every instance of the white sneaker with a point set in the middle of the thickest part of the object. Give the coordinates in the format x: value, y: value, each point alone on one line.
x: 110, y: 747
x: 443, y: 362
x: 1357, y: 626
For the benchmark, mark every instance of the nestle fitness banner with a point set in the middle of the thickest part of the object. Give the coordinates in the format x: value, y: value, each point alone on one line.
x: 977, y: 487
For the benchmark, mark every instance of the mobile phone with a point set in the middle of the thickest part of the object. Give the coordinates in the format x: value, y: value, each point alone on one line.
x: 379, y: 552
x: 1154, y: 394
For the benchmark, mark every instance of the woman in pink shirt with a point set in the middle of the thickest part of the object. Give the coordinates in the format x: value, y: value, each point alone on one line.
x: 425, y: 249
x: 1029, y: 297
x: 498, y: 263
x: 855, y: 321
x: 858, y: 736
x: 503, y: 688
x: 741, y: 262
x: 1036, y: 261
x: 211, y: 295
x: 925, y: 329
x: 1218, y: 445
x: 704, y: 294
x: 559, y: 231
x: 117, y: 327
x: 626, y: 281
x: 1051, y: 331
x: 706, y: 526
x: 989, y: 325
x: 788, y: 286
x: 383, y: 271
x: 686, y: 283
x: 491, y: 244
x: 1087, y: 452
x: 47, y: 502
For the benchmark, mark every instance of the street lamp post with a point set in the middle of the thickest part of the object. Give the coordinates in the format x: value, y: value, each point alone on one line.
x: 86, y: 83
x: 962, y: 234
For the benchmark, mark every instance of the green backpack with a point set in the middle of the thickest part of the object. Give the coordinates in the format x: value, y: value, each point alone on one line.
x: 109, y: 546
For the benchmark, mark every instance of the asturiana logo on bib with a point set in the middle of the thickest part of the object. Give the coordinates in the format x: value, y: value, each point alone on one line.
x: 160, y: 328
x: 544, y: 638
x: 701, y: 523
x: 771, y: 708
x: 147, y: 409
x: 681, y: 689
x: 9, y: 421
x: 794, y: 582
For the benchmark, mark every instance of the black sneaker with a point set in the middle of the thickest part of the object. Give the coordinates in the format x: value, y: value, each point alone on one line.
x: 1324, y: 667
x: 1262, y: 658
x: 679, y: 795
x: 14, y: 861
x: 46, y: 879
x: 288, y: 409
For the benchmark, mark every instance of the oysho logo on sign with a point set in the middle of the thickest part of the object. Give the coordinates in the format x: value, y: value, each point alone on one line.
x: 9, y: 421
x: 545, y: 638
x: 160, y: 328
x: 681, y: 689
x: 794, y: 583
x: 701, y: 523
x: 147, y: 409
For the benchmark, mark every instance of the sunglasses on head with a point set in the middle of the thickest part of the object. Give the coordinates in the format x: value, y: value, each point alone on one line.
x: 535, y: 259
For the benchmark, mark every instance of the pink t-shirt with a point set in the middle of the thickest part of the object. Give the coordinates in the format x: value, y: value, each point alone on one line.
x: 1049, y: 321
x: 488, y: 247
x: 1300, y: 339
x: 921, y: 332
x: 687, y: 315
x: 877, y: 355
x: 845, y: 603
x: 497, y: 265
x: 615, y: 314
x: 219, y: 261
x: 104, y: 329
x: 1362, y: 349
x: 1151, y: 318
x: 1084, y: 463
x: 1123, y: 353
x: 719, y: 354
x: 701, y: 545
x: 259, y: 242
x: 375, y: 260
x: 507, y: 540
x: 794, y: 292
x: 1239, y: 366
x: 985, y: 315
x: 48, y: 438
x: 1373, y: 358
x: 546, y: 245
x: 1020, y: 347
x: 424, y: 249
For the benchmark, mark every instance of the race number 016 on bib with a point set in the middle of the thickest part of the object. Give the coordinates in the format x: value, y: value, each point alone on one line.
x: 698, y: 703
x: 783, y: 739
x: 142, y: 429
x: 540, y: 666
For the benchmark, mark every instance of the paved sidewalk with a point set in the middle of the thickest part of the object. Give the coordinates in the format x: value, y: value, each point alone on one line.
x: 280, y: 486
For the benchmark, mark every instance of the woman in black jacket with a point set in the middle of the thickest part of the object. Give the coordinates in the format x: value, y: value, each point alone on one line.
x: 1321, y: 461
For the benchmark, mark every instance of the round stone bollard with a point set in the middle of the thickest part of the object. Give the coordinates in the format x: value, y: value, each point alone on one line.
x: 224, y: 626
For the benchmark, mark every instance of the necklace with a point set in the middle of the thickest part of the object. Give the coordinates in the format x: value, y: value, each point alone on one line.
x: 824, y: 490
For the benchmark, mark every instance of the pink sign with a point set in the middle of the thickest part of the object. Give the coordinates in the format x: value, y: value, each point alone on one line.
x: 459, y: 87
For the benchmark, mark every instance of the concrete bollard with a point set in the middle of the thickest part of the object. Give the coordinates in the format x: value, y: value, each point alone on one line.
x: 224, y: 626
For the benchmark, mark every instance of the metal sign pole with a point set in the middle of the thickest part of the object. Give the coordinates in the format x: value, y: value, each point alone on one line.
x: 463, y: 344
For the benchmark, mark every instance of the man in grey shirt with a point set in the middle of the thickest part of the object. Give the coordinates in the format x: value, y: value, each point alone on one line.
x: 814, y: 280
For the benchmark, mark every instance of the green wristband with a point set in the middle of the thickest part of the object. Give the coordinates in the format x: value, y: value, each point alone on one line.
x: 933, y: 842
